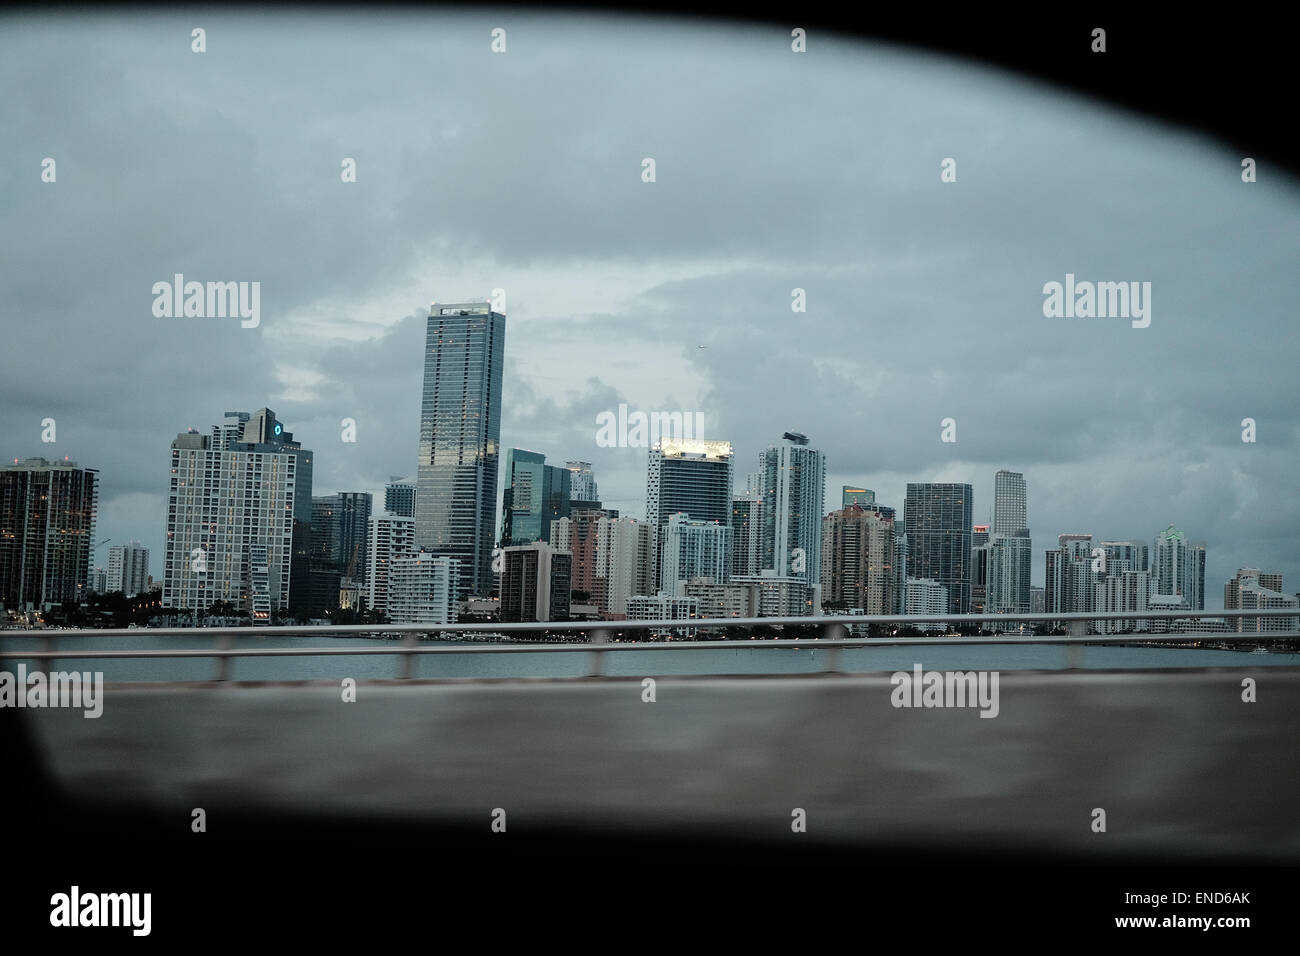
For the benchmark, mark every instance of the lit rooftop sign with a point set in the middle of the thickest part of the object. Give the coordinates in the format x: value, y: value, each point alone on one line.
x: 679, y: 447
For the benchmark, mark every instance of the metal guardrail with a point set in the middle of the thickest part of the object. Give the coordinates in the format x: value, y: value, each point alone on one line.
x: 833, y: 628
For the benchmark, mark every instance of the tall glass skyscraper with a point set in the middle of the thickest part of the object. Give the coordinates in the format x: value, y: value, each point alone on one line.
x: 535, y: 495
x: 1010, y: 509
x: 794, y: 491
x: 938, y: 519
x: 1010, y: 553
x: 460, y: 434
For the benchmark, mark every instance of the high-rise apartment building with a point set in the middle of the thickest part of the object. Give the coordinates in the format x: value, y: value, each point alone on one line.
x: 582, y: 483
x: 460, y: 435
x: 235, y: 521
x: 47, y: 530
x: 746, y: 534
x: 399, y: 496
x: 689, y: 475
x: 1249, y: 589
x: 694, y: 549
x: 1178, y: 568
x: 1010, y: 558
x: 128, y: 568
x: 776, y: 595
x: 938, y: 521
x: 979, y: 568
x: 1071, y: 581
x: 391, y: 536
x: 611, y: 557
x: 794, y: 490
x: 927, y: 596
x: 536, y: 583
x: 858, y: 560
x: 421, y: 589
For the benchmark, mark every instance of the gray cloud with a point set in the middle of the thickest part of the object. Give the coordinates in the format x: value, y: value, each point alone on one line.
x: 522, y: 171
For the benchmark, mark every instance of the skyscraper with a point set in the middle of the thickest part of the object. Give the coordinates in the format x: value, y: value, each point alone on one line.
x: 746, y: 534
x: 1178, y: 568
x: 979, y: 568
x: 391, y: 536
x: 535, y: 495
x: 399, y: 496
x: 340, y: 534
x: 1071, y: 585
x: 1010, y: 553
x: 794, y: 490
x: 579, y: 534
x: 858, y: 560
x: 536, y: 583
x: 47, y: 530
x: 1008, y: 574
x: 128, y: 568
x: 582, y: 484
x: 234, y: 523
x: 611, y: 557
x: 938, y: 520
x: 460, y: 434
x: 264, y: 432
x: 421, y: 588
x: 695, y: 549
x: 849, y: 495
x: 690, y: 475
x: 1010, y: 509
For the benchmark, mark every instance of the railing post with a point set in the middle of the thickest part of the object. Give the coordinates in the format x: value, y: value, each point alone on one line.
x: 598, y: 636
x: 47, y: 645
x: 408, y: 659
x: 1073, y: 650
x: 224, y: 643
x: 834, y: 632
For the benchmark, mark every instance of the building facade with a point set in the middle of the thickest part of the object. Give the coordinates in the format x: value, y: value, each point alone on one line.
x: 536, y: 583
x: 48, y: 512
x: 391, y: 537
x: 235, y: 524
x: 535, y: 495
x: 694, y: 549
x: 460, y: 435
x: 689, y: 475
x: 858, y: 560
x: 1178, y: 567
x: 128, y: 568
x: 793, y: 491
x: 938, y: 520
x: 421, y: 589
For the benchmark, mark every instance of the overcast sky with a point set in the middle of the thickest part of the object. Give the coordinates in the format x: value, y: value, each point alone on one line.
x: 522, y: 170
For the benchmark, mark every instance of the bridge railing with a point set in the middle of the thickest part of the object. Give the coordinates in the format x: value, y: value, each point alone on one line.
x: 599, y: 638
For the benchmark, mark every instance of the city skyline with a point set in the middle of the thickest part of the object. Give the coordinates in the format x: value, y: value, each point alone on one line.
x: 923, y: 298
